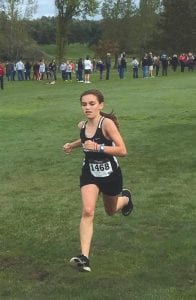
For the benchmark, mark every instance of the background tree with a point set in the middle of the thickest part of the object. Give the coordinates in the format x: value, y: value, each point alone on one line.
x: 177, y: 25
x: 15, y: 36
x: 19, y: 9
x: 117, y: 22
x: 149, y: 15
x: 3, y: 23
x: 42, y: 30
x: 84, y: 32
x: 105, y: 46
x: 118, y: 26
x: 66, y: 10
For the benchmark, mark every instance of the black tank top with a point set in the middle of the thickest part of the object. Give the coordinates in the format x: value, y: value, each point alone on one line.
x: 95, y: 163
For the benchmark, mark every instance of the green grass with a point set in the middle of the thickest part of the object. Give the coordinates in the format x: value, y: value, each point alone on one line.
x: 147, y: 256
x: 72, y: 51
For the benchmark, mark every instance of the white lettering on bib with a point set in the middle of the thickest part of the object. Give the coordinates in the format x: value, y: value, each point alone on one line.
x: 101, y: 169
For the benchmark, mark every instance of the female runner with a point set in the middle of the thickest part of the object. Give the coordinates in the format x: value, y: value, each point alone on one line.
x: 101, y: 142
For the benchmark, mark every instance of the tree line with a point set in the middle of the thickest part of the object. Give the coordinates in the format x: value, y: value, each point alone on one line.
x: 155, y: 25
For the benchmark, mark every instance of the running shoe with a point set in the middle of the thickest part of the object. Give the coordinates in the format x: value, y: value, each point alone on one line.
x: 81, y: 263
x: 127, y: 209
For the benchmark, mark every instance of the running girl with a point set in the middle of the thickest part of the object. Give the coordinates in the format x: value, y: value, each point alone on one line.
x: 101, y: 142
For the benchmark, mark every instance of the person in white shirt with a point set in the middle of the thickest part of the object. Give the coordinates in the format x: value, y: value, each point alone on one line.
x: 68, y: 71
x: 20, y: 69
x: 87, y: 69
x: 42, y: 70
x: 135, y: 65
x: 63, y: 70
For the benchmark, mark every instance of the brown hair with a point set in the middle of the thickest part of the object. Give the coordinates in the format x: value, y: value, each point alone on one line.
x: 100, y: 98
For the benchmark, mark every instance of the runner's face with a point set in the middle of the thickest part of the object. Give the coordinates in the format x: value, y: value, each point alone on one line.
x: 91, y: 106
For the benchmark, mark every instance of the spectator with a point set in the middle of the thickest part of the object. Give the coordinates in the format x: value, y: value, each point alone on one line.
x: 20, y: 70
x: 14, y: 71
x: 174, y: 62
x: 145, y: 65
x: 94, y: 64
x: 157, y: 64
x: 135, y: 66
x: 150, y: 64
x: 164, y: 61
x: 182, y: 60
x: 36, y: 71
x: 80, y: 70
x: 53, y: 68
x: 8, y: 67
x: 27, y: 70
x: 68, y: 71
x: 119, y: 63
x: 100, y: 66
x: 123, y: 66
x: 48, y: 75
x: 87, y: 69
x: 190, y: 61
x: 73, y: 66
x: 63, y: 70
x: 76, y: 70
x: 2, y: 73
x: 42, y: 70
x: 108, y: 65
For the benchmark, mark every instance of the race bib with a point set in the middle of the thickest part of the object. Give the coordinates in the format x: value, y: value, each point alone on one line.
x: 101, y: 169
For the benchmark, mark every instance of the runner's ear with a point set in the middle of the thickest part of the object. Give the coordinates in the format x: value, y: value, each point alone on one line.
x: 101, y: 105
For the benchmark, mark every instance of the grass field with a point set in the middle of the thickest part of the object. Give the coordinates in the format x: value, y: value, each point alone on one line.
x: 72, y: 51
x: 149, y: 255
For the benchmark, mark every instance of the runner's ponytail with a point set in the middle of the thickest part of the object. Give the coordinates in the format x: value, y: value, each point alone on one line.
x: 110, y: 116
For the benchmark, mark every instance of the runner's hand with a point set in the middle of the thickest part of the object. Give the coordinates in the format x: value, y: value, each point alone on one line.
x: 67, y: 148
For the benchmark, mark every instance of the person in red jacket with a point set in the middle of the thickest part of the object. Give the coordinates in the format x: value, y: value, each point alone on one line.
x: 2, y: 72
x: 182, y: 60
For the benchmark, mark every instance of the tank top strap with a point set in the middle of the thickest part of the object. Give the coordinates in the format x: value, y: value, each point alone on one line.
x: 83, y: 124
x: 100, y: 122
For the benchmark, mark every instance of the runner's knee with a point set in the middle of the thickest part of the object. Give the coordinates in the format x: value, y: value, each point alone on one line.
x: 88, y: 212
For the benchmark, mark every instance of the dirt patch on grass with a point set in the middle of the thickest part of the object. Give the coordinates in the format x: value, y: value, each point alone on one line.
x: 10, y: 262
x: 20, y: 263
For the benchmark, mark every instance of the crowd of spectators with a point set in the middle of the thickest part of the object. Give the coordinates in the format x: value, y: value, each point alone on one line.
x: 80, y: 70
x: 151, y: 64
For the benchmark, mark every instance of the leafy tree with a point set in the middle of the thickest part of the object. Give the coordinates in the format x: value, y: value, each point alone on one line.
x: 84, y: 31
x: 149, y: 15
x: 105, y: 46
x: 15, y: 36
x: 42, y: 30
x: 118, y: 24
x: 19, y: 9
x: 3, y: 22
x: 66, y: 10
x: 178, y: 25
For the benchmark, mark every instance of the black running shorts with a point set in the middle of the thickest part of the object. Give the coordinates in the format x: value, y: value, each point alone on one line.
x: 110, y: 186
